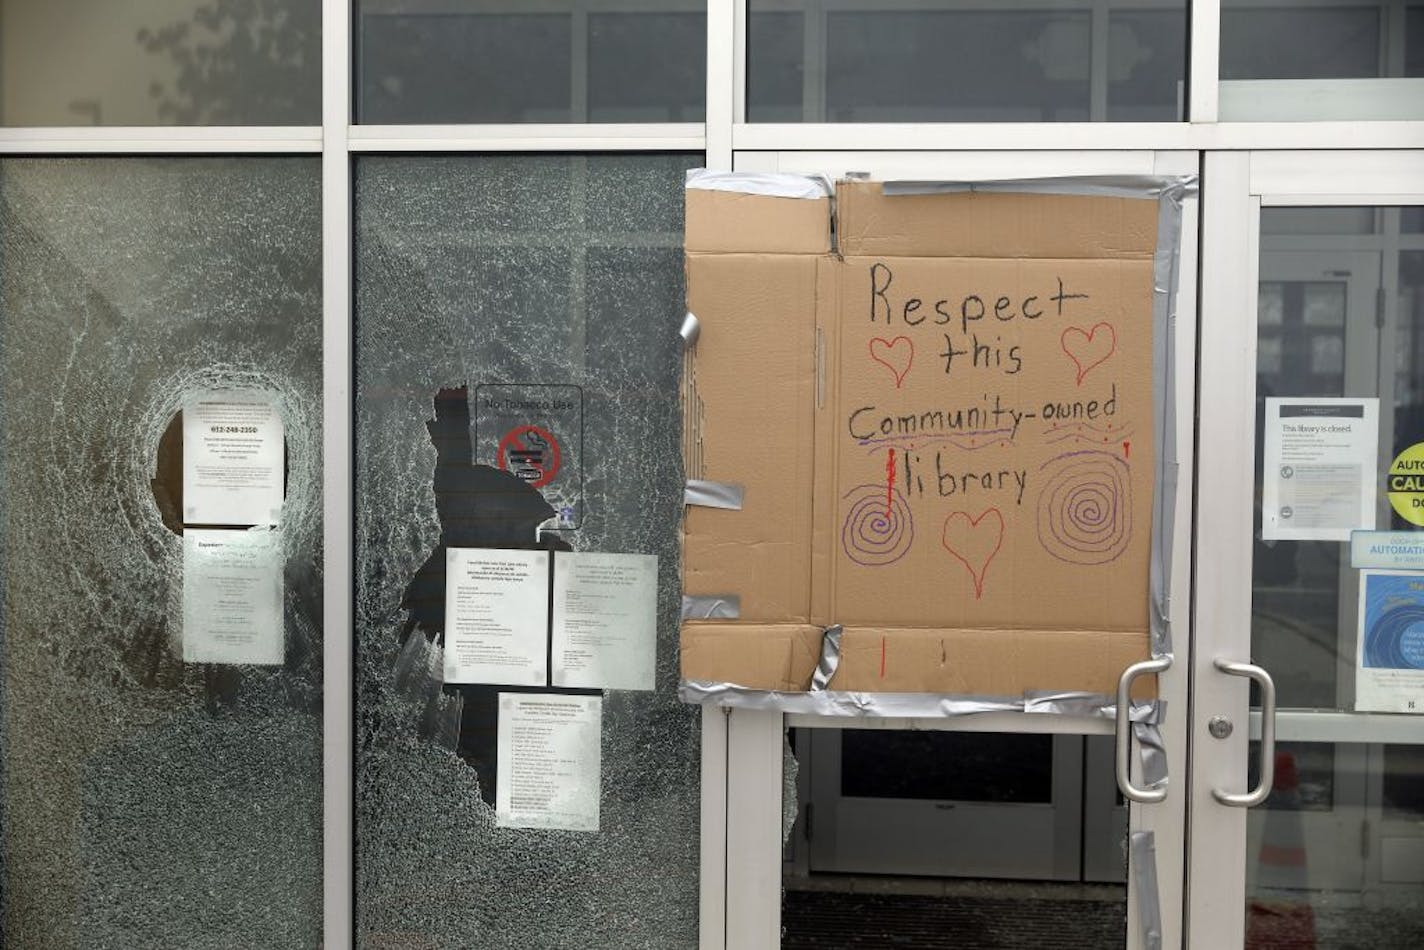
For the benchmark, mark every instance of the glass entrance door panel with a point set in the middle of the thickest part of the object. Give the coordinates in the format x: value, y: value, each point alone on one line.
x: 1331, y: 843
x: 1319, y: 857
x: 992, y: 828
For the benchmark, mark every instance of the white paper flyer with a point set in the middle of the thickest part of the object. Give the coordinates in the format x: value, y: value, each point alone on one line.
x: 605, y: 620
x: 233, y: 459
x: 1319, y: 468
x: 496, y: 616
x: 549, y: 761
x: 232, y: 597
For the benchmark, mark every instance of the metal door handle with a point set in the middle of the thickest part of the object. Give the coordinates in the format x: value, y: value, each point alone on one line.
x: 1122, y: 732
x: 1268, y: 735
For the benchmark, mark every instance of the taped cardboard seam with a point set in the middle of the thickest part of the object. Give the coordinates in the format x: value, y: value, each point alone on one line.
x: 911, y: 660
x: 693, y: 413
x: 1147, y: 714
x: 1143, y: 845
x: 768, y: 184
x: 690, y: 329
x: 713, y: 607
x: 710, y: 494
x: 830, y: 658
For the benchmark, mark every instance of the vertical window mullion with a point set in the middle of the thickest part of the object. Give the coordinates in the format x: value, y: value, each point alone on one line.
x: 338, y: 858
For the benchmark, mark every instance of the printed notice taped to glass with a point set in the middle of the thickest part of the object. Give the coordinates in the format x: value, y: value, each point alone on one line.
x: 1318, y: 476
x: 605, y: 620
x: 233, y: 459
x: 1387, y: 550
x: 1389, y: 661
x: 232, y: 597
x: 549, y: 761
x: 496, y: 616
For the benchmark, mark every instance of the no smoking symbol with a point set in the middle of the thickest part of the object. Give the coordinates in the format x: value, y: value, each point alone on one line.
x: 530, y: 454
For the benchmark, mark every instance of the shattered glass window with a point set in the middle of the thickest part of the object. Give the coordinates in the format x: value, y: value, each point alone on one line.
x: 149, y: 802
x: 523, y: 274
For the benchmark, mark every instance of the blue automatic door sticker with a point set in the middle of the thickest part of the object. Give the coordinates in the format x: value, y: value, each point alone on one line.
x: 1394, y: 622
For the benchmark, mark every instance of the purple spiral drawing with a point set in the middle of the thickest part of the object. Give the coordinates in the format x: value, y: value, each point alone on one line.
x: 878, y: 525
x: 1085, y: 507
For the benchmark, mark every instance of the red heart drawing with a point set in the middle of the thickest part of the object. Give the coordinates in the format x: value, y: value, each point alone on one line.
x: 974, y: 541
x: 894, y: 356
x: 1086, y: 349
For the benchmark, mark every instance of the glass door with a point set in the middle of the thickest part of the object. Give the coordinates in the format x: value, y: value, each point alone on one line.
x: 1309, y: 781
x: 950, y: 822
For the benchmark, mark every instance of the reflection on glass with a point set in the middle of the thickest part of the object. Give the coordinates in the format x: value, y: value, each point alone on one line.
x: 620, y: 88
x: 1338, y: 41
x: 149, y: 802
x: 514, y: 270
x: 1403, y: 790
x: 945, y: 823
x: 1334, y: 59
x: 871, y: 913
x: 951, y: 766
x: 171, y: 62
x: 563, y: 61
x: 948, y: 62
x: 1327, y: 866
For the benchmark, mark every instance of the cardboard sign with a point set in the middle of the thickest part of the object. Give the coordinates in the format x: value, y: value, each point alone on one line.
x: 948, y: 447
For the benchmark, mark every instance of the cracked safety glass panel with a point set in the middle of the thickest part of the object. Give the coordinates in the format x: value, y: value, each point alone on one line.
x: 517, y: 360
x: 150, y: 800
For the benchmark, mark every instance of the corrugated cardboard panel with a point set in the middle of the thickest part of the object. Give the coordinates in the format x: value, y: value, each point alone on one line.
x: 946, y: 436
x: 756, y: 656
x: 823, y: 540
x: 991, y: 443
x: 752, y: 401
x: 986, y: 662
x: 900, y: 660
x: 984, y: 224
x: 756, y: 224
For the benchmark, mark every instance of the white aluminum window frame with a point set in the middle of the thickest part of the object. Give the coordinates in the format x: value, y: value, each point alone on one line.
x: 1239, y: 185
x: 732, y: 744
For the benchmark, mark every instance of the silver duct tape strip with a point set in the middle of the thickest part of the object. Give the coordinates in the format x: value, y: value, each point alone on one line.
x: 1143, y: 845
x: 1093, y: 705
x: 711, y: 607
x: 830, y: 658
x: 691, y: 329
x: 912, y: 705
x: 1146, y: 716
x: 1153, y: 753
x: 712, y: 494
x: 771, y: 184
x: 1166, y: 275
x: 1112, y: 186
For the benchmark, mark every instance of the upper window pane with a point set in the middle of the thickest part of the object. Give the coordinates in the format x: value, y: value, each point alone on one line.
x: 966, y: 61
x: 454, y: 61
x: 1334, y: 45
x: 160, y: 62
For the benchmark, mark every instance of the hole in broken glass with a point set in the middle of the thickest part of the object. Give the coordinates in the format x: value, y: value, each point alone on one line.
x: 479, y: 506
